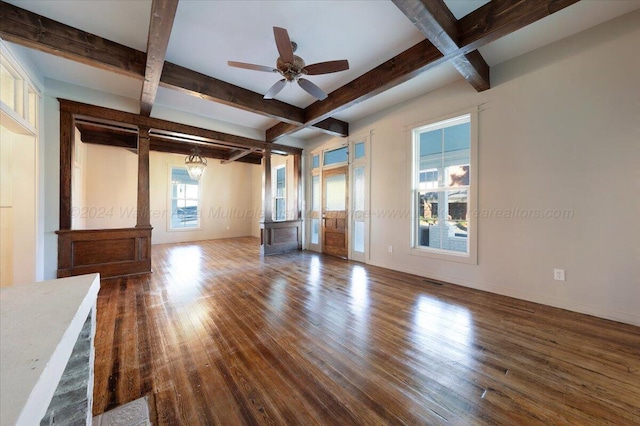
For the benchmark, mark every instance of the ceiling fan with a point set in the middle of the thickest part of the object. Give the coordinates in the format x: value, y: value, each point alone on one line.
x: 293, y: 68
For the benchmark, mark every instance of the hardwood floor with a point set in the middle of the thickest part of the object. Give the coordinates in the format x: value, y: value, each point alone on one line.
x: 220, y: 336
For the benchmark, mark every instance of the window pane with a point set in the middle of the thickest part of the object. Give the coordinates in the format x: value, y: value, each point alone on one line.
x: 315, y: 193
x: 7, y: 87
x: 458, y: 175
x: 457, y: 137
x: 315, y: 231
x: 191, y: 191
x: 358, y: 188
x: 442, y: 221
x: 280, y: 213
x: 359, y: 150
x: 336, y: 193
x: 316, y: 161
x: 358, y: 237
x: 184, y: 199
x: 33, y: 106
x: 280, y: 182
x: 336, y: 156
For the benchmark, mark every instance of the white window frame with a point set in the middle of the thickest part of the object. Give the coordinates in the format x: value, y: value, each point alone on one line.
x: 471, y: 257
x: 274, y: 191
x: 361, y: 215
x: 170, y: 204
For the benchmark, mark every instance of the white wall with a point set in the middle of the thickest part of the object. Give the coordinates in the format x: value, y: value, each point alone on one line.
x: 18, y: 200
x: 558, y: 130
x: 226, y: 202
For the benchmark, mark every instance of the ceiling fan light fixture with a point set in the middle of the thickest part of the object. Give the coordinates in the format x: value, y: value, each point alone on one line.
x: 195, y: 164
x: 293, y: 67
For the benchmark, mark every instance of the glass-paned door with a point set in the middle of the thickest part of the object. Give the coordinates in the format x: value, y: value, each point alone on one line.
x: 334, y: 212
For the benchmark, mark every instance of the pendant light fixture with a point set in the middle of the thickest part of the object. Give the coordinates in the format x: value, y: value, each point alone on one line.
x: 195, y: 164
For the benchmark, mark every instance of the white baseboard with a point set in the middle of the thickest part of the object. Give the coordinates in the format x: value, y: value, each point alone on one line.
x: 625, y: 317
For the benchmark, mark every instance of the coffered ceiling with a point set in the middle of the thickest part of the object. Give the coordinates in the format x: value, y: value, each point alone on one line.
x: 206, y: 34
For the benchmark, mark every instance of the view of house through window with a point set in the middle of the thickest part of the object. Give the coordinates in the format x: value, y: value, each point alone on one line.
x: 441, y: 185
x: 185, y: 195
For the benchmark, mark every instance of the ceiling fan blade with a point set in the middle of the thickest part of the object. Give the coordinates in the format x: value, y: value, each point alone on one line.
x: 283, y: 42
x: 312, y: 89
x: 327, y: 67
x: 251, y: 66
x: 275, y: 89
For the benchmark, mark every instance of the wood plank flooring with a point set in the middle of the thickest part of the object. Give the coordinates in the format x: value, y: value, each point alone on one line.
x: 220, y: 336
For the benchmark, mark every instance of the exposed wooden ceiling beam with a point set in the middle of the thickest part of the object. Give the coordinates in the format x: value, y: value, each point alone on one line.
x: 202, y: 135
x: 396, y: 70
x: 488, y: 23
x: 197, y: 84
x: 499, y: 18
x: 434, y: 19
x: 110, y: 136
x: 46, y: 35
x: 237, y: 155
x: 162, y: 14
x: 201, y: 85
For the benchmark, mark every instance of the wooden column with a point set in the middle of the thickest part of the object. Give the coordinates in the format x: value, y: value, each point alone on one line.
x: 67, y: 139
x: 144, y: 216
x: 267, y: 196
x: 297, y: 183
x: 280, y: 236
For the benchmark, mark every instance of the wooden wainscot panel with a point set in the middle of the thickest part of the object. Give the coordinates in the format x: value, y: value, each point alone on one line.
x: 110, y: 252
x: 280, y: 237
x: 85, y: 253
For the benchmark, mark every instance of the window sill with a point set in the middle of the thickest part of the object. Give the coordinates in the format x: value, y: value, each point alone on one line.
x: 447, y: 255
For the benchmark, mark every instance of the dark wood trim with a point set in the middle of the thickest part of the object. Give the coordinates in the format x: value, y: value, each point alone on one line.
x: 201, y: 85
x: 107, y: 137
x: 333, y: 127
x: 297, y: 183
x: 236, y: 155
x: 95, y: 134
x: 109, y: 252
x: 490, y: 22
x: 474, y: 69
x: 67, y: 140
x: 35, y: 31
x: 143, y: 218
x: 267, y: 193
x: 403, y: 67
x: 161, y: 144
x: 162, y: 14
x: 46, y: 35
x: 197, y: 84
x: 203, y: 135
x: 434, y: 19
x: 280, y: 237
x: 499, y: 18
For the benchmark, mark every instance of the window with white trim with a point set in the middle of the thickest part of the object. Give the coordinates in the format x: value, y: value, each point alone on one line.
x: 185, y: 200
x: 442, y: 187
x: 280, y: 193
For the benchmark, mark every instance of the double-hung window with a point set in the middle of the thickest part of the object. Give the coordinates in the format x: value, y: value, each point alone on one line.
x: 280, y: 193
x: 443, y: 185
x: 185, y: 198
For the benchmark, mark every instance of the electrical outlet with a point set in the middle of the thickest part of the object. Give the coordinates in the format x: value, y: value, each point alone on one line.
x: 558, y: 274
x: 390, y: 249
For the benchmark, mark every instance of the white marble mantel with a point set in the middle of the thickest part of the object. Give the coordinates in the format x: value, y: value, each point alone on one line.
x: 39, y: 325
